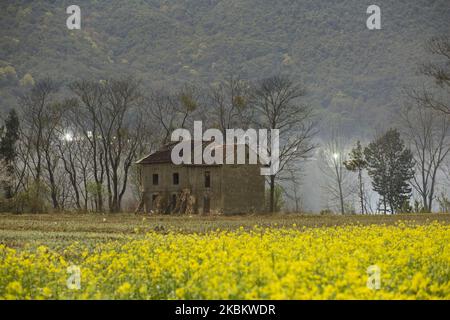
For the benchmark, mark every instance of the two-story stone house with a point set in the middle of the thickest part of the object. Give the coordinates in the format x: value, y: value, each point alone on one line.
x: 218, y: 189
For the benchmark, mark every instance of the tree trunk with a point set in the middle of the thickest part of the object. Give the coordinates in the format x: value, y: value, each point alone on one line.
x: 339, y: 182
x: 361, y: 191
x: 341, y: 198
x: 272, y: 194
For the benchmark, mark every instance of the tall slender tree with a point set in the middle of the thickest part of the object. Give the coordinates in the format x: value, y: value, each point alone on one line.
x: 40, y: 112
x: 357, y: 163
x: 85, y: 114
x: 277, y: 105
x: 336, y: 184
x: 121, y: 126
x: 427, y: 132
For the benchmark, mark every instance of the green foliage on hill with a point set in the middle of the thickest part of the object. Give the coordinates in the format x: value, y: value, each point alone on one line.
x: 353, y: 74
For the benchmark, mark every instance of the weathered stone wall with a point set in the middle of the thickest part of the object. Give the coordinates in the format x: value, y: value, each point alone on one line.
x: 190, y: 177
x: 233, y: 189
x: 243, y: 189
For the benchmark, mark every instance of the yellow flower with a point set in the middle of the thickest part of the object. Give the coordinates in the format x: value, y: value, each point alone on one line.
x: 14, y: 288
x: 47, y: 291
x: 260, y: 263
x: 124, y: 289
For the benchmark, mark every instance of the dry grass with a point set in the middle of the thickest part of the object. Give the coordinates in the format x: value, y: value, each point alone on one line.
x: 58, y: 230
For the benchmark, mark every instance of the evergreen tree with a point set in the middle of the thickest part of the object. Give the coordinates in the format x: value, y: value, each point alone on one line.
x: 357, y: 163
x: 390, y: 165
x: 8, y: 152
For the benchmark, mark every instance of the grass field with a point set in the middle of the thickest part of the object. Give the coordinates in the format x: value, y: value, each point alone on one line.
x: 239, y: 257
x: 56, y: 230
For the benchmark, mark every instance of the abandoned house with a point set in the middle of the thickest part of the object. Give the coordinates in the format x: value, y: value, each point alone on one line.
x: 198, y: 188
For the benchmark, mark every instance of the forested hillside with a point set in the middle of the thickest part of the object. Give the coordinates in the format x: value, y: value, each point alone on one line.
x: 352, y: 73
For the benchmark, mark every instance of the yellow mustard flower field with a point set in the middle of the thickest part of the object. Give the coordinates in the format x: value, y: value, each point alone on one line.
x: 411, y: 261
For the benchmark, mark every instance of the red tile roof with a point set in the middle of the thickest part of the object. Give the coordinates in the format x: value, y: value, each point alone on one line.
x: 164, y: 154
x: 159, y: 156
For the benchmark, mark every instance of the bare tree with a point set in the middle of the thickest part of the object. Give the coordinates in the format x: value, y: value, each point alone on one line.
x: 51, y: 156
x: 92, y: 138
x: 85, y: 113
x: 229, y: 101
x: 35, y: 117
x: 22, y: 172
x: 277, y: 106
x: 109, y: 126
x: 75, y: 154
x: 428, y: 134
x: 40, y: 113
x: 437, y: 97
x: 291, y: 187
x: 121, y: 127
x: 337, y: 179
x: 170, y: 111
